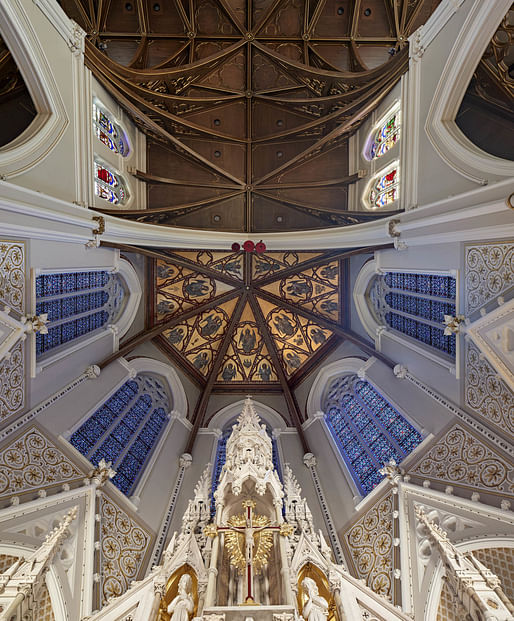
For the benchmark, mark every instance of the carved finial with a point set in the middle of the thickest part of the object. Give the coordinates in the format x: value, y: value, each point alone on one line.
x: 101, y: 474
x: 392, y: 471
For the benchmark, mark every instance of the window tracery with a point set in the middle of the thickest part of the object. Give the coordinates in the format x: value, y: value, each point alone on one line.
x: 385, y: 137
x: 367, y: 429
x: 415, y: 305
x: 77, y: 303
x: 384, y: 188
x: 108, y: 131
x: 109, y: 185
x: 125, y: 429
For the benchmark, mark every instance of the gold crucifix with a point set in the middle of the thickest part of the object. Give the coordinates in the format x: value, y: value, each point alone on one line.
x: 249, y: 539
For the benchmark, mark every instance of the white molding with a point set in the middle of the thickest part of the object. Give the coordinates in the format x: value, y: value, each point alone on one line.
x: 69, y: 30
x: 45, y: 131
x: 409, y: 138
x: 134, y: 294
x: 445, y: 136
x: 33, y: 214
x: 367, y: 272
x: 436, y: 22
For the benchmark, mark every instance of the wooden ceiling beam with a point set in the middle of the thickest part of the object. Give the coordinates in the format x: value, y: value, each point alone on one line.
x: 348, y: 179
x: 183, y: 15
x: 325, y: 257
x: 346, y: 334
x: 149, y: 178
x: 156, y: 128
x: 315, y: 16
x: 203, y: 400
x: 266, y: 17
x: 176, y: 260
x: 148, y: 334
x: 233, y: 18
x: 169, y: 208
x: 292, y: 405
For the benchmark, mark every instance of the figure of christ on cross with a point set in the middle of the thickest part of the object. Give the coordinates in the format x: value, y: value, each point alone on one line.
x: 249, y: 530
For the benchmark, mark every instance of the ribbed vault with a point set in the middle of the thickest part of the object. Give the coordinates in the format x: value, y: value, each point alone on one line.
x: 248, y: 105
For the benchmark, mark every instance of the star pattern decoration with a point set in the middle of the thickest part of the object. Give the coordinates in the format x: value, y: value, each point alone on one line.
x: 248, y: 106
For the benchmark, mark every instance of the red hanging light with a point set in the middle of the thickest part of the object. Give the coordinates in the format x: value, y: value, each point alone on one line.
x: 260, y: 247
x: 248, y: 246
x: 236, y: 247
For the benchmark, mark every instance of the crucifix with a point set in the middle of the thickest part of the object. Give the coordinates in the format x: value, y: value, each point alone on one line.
x: 256, y: 534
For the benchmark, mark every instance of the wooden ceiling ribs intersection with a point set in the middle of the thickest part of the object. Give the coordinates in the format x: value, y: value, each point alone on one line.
x: 248, y: 105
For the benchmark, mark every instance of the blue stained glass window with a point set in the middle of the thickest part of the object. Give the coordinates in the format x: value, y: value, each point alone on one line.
x: 415, y: 304
x: 76, y: 303
x: 125, y: 429
x: 369, y: 432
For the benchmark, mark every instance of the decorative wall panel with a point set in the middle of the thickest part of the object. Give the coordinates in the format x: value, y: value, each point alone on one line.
x: 12, y: 294
x: 12, y: 274
x: 370, y: 544
x: 12, y: 383
x: 487, y: 394
x: 462, y: 458
x: 489, y: 272
x: 124, y: 547
x: 32, y: 462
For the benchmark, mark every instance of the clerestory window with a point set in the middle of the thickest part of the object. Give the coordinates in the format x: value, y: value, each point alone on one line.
x: 367, y: 430
x: 125, y: 429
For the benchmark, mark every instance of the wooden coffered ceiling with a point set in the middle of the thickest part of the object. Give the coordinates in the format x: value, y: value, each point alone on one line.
x: 248, y: 104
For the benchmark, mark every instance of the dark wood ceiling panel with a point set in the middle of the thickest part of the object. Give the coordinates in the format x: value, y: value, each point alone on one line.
x: 235, y: 95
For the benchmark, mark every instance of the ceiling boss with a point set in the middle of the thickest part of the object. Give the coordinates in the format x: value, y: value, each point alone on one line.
x: 249, y: 539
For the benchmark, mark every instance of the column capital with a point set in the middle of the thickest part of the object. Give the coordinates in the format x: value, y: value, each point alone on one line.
x: 309, y: 459
x: 185, y: 460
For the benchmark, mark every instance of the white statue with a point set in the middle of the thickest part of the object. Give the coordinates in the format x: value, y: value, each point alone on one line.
x: 182, y: 604
x: 316, y: 607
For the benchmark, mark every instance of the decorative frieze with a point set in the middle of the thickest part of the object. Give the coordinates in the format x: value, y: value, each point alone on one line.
x: 486, y: 393
x: 488, y: 273
x: 370, y: 544
x: 12, y: 275
x: 123, y: 549
x: 12, y: 382
x: 32, y: 462
x: 462, y: 458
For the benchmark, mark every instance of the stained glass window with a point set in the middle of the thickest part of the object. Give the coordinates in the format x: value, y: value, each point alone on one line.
x: 367, y: 429
x: 125, y: 429
x: 384, y: 189
x: 109, y: 185
x: 221, y: 455
x: 386, y: 136
x: 76, y: 303
x: 109, y: 132
x: 415, y: 304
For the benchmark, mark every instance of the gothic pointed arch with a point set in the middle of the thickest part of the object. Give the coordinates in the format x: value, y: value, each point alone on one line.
x: 448, y: 140
x: 45, y: 131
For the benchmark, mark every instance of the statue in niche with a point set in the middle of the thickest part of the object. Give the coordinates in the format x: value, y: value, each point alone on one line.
x: 182, y: 604
x: 316, y: 607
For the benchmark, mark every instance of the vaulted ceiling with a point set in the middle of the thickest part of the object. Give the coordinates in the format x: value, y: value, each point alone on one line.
x: 248, y: 105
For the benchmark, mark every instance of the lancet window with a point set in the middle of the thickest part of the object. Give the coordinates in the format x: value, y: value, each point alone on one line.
x: 221, y: 455
x: 125, y: 429
x: 108, y: 131
x: 77, y: 303
x: 367, y: 429
x: 415, y: 305
x: 384, y: 137
x: 109, y: 185
x: 384, y: 188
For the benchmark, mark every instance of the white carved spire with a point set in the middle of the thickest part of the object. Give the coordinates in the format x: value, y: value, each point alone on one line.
x: 477, y: 588
x: 21, y: 583
x: 249, y: 454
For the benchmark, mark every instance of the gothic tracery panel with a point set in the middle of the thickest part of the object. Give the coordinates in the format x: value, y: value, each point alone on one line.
x: 461, y: 458
x: 124, y: 546
x: 369, y: 542
x: 489, y: 272
x: 32, y: 462
x: 486, y: 393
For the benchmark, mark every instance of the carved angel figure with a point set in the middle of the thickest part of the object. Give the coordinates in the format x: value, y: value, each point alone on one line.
x: 181, y: 607
x: 316, y: 607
